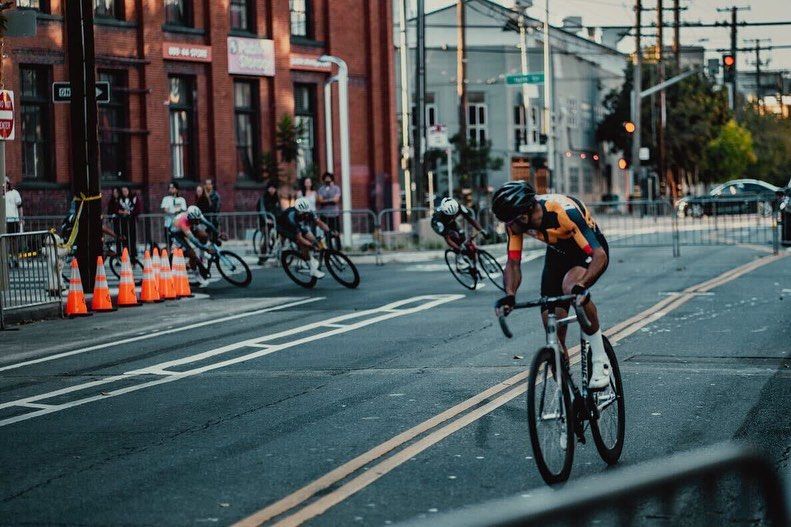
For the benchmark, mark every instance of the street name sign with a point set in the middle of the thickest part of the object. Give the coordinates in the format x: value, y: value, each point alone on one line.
x: 526, y: 78
x: 61, y: 92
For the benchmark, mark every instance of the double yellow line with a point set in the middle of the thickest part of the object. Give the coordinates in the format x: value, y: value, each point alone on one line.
x: 502, y: 392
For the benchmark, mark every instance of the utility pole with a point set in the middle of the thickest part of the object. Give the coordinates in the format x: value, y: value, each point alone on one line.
x: 637, y: 82
x: 734, y: 24
x: 406, y: 105
x: 84, y: 139
x: 524, y: 65
x: 677, y: 35
x: 461, y: 67
x: 420, y: 102
x: 662, y: 100
x: 548, y: 102
x: 757, y: 42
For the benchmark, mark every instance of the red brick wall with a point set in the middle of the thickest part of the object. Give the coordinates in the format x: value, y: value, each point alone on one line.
x: 362, y: 40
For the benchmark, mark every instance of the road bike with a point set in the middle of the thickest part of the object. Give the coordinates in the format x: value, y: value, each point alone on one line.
x: 230, y: 265
x: 264, y: 240
x: 466, y: 266
x: 558, y: 411
x: 337, y: 263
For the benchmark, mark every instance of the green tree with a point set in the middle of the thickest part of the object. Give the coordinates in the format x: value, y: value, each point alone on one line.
x: 473, y: 161
x: 729, y: 154
x: 772, y: 143
x: 287, y: 136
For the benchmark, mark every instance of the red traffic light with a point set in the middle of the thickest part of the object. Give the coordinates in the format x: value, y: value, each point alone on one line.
x: 728, y: 61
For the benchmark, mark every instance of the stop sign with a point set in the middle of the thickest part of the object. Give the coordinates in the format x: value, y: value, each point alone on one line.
x: 7, y: 125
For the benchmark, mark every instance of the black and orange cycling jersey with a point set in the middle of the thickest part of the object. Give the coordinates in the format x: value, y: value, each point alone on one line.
x: 567, y: 226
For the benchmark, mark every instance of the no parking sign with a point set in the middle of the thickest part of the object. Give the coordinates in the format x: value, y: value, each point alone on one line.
x: 7, y: 124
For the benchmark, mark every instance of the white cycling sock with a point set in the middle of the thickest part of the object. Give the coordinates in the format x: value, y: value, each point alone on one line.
x: 597, y: 346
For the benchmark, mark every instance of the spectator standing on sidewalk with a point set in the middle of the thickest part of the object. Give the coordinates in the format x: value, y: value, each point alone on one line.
x: 202, y: 200
x: 328, y: 199
x: 171, y: 205
x: 129, y: 208
x: 214, y: 199
x: 14, y: 219
x: 306, y: 191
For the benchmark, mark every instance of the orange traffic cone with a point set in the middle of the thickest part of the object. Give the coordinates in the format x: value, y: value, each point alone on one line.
x: 75, y: 302
x: 101, y: 302
x: 166, y: 289
x: 127, y: 296
x: 182, y: 280
x: 149, y: 291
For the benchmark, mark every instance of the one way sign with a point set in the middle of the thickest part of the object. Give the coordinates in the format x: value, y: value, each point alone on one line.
x: 61, y: 92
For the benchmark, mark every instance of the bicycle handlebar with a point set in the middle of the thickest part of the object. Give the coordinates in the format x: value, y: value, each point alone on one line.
x: 546, y: 301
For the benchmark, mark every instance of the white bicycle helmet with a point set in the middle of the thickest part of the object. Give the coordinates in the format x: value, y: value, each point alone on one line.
x: 449, y: 206
x: 302, y: 205
x: 194, y: 213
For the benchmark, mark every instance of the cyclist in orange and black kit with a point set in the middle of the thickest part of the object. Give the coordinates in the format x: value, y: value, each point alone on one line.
x: 577, y: 255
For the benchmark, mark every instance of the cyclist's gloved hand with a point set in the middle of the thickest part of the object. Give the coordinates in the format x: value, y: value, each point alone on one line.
x: 583, y: 295
x: 504, y: 305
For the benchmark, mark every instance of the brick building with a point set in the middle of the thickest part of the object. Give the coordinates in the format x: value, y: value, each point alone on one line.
x: 198, y: 87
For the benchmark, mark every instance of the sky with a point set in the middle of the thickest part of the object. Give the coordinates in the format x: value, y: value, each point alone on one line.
x: 621, y: 12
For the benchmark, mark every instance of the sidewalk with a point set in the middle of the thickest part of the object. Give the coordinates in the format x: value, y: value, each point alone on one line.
x: 497, y: 250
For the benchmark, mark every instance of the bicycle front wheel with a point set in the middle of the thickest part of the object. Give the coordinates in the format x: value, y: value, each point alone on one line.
x: 341, y: 268
x: 608, y: 430
x: 297, y: 269
x: 461, y: 268
x: 492, y: 268
x: 233, y: 269
x: 550, y: 419
x: 258, y: 237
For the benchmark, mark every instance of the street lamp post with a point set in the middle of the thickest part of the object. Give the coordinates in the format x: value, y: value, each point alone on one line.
x: 343, y: 112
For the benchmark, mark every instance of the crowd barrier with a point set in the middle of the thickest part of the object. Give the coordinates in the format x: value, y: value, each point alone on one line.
x: 30, y: 275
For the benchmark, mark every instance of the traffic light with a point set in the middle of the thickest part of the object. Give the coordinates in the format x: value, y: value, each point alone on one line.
x: 629, y: 127
x: 729, y: 67
x: 623, y: 164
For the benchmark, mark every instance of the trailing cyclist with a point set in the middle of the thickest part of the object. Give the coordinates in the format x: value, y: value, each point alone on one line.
x: 445, y: 223
x: 190, y: 230
x: 298, y: 224
x: 577, y: 255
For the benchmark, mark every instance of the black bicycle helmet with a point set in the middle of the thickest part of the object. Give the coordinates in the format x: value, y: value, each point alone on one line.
x: 513, y: 199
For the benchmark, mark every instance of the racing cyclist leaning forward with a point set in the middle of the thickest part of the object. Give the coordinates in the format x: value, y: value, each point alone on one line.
x: 444, y: 222
x: 577, y: 255
x: 191, y: 229
x: 297, y: 224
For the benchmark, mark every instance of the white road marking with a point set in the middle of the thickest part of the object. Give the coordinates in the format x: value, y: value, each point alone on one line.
x: 368, y: 317
x: 159, y: 333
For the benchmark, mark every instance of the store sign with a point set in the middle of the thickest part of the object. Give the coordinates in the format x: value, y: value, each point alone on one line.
x: 7, y: 123
x: 309, y: 63
x: 251, y: 56
x: 188, y: 52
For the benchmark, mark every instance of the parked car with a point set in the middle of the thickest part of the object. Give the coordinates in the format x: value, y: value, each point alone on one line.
x: 740, y: 196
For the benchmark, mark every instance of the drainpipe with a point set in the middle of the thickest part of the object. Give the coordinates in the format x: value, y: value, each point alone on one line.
x: 328, y: 122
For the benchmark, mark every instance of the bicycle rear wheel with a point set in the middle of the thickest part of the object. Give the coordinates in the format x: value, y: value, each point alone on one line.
x: 550, y: 419
x: 608, y: 430
x: 297, y: 269
x: 341, y: 268
x: 258, y: 237
x: 461, y: 268
x: 492, y: 268
x: 233, y: 268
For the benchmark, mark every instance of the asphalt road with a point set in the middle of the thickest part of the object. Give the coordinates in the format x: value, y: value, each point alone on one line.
x: 381, y: 404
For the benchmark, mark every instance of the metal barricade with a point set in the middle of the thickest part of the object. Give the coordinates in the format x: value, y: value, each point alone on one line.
x: 31, y: 272
x: 401, y: 229
x: 724, y: 485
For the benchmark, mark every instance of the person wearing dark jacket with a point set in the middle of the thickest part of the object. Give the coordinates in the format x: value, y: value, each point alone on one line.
x: 129, y: 208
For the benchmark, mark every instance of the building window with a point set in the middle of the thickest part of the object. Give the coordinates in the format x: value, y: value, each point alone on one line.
x: 477, y: 119
x: 113, y: 125
x: 241, y: 15
x: 300, y: 18
x: 108, y: 9
x: 574, y: 180
x: 305, y: 119
x: 587, y: 181
x: 534, y: 116
x: 245, y: 103
x: 182, y: 127
x: 36, y: 123
x: 178, y: 12
x: 38, y: 5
